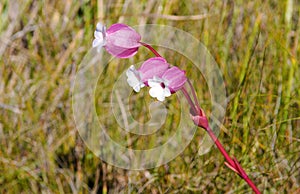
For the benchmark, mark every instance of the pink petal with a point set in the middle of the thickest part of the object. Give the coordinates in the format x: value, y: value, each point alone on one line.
x: 122, y: 41
x: 120, y: 52
x: 128, y: 53
x: 115, y: 27
x: 153, y: 67
x: 176, y: 78
x: 124, y: 38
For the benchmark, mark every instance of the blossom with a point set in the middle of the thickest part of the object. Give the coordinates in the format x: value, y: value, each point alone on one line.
x: 137, y: 79
x: 155, y: 66
x: 119, y: 40
x: 157, y: 74
x: 175, y: 77
x: 171, y: 81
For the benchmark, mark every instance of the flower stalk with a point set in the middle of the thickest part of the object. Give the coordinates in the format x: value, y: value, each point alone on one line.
x: 151, y: 49
x: 122, y: 41
x: 201, y: 120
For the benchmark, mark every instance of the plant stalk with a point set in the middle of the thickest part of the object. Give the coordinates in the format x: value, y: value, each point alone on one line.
x: 151, y: 49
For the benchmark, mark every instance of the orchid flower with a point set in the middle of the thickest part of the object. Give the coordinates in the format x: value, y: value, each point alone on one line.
x: 119, y: 40
x: 137, y: 79
x: 155, y: 73
x: 171, y: 81
x: 155, y: 66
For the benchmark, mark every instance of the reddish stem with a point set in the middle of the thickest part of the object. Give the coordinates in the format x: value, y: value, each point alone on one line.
x: 151, y: 49
x: 233, y: 163
x: 220, y: 147
x: 252, y: 185
x: 187, y: 96
x: 194, y: 94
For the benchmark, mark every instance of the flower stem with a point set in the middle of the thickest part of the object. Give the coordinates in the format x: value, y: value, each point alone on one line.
x: 220, y: 147
x: 232, y: 162
x: 151, y: 49
x: 187, y: 96
x: 194, y: 94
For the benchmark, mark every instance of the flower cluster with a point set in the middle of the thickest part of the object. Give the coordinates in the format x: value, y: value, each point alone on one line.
x: 122, y: 41
x: 161, y: 77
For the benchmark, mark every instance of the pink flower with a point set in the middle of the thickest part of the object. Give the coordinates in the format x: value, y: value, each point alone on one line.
x: 137, y: 79
x: 175, y: 77
x: 171, y: 81
x: 155, y: 72
x: 155, y: 66
x: 119, y: 40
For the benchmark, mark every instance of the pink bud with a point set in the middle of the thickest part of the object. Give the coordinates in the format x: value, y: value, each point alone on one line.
x: 155, y: 66
x: 176, y: 78
x: 200, y: 119
x: 122, y: 41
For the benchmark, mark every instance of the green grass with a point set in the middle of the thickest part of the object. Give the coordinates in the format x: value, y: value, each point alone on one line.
x: 255, y: 43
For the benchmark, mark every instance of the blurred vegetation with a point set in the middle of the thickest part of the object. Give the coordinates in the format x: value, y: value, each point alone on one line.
x: 255, y: 43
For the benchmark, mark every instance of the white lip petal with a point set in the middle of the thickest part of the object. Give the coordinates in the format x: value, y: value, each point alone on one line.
x: 98, y: 35
x: 156, y: 91
x: 134, y: 79
x: 154, y: 82
x: 161, y: 98
x: 97, y: 42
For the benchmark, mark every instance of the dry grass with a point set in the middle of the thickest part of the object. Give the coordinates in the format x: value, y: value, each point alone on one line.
x: 255, y: 43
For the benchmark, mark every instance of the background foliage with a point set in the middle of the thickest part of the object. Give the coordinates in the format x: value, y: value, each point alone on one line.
x: 255, y: 43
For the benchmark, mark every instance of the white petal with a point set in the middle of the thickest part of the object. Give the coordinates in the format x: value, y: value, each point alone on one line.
x: 97, y: 43
x: 130, y: 70
x: 134, y: 79
x: 137, y: 88
x: 159, y: 92
x: 154, y: 82
x: 98, y: 35
x: 161, y: 98
x: 156, y: 91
